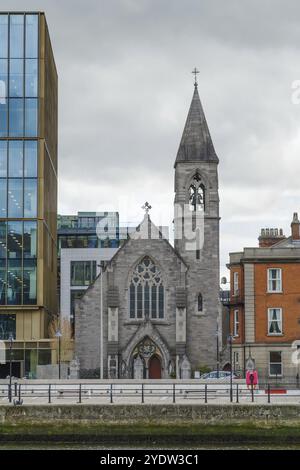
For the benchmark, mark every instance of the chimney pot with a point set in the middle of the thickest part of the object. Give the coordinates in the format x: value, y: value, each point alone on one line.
x: 270, y: 236
x: 295, y: 227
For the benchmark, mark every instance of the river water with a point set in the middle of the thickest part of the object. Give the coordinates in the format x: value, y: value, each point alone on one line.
x: 68, y: 446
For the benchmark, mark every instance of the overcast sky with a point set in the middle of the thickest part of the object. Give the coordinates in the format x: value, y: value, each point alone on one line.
x: 125, y: 86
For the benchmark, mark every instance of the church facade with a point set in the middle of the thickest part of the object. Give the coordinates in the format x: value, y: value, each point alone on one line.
x: 154, y: 310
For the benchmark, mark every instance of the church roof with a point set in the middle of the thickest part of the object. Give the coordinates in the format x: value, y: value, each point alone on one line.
x: 147, y: 230
x: 196, y: 144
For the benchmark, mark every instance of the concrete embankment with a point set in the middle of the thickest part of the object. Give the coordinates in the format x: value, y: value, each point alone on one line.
x: 191, y: 424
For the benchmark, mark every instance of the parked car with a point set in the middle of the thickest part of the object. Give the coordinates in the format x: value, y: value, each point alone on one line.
x: 221, y: 375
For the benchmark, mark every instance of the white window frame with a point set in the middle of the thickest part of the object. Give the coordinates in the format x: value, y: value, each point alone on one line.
x: 275, y: 375
x: 270, y: 311
x: 278, y: 280
x: 236, y: 323
x: 235, y: 283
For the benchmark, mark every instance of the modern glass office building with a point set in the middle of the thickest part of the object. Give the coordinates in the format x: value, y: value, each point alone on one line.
x: 90, y: 237
x: 89, y: 230
x: 28, y: 189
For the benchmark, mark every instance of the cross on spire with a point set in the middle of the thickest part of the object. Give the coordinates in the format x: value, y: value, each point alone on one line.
x: 146, y: 207
x: 195, y: 72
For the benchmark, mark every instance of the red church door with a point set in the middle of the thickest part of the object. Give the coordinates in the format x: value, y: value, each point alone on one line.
x: 154, y: 368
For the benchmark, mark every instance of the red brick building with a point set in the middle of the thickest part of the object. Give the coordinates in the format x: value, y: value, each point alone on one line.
x: 265, y: 304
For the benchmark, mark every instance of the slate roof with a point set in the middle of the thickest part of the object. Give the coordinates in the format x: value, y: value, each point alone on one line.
x: 196, y: 144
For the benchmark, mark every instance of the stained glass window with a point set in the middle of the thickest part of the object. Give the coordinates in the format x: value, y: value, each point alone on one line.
x: 146, y: 291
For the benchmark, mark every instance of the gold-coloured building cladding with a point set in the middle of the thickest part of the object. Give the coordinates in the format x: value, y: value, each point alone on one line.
x: 28, y: 191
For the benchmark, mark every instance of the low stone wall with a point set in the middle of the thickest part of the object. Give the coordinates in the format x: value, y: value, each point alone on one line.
x: 146, y: 425
x: 151, y: 414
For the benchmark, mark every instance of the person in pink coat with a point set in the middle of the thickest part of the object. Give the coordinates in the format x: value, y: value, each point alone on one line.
x: 251, y: 378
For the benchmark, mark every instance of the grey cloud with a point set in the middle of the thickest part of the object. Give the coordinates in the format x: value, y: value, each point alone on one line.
x: 125, y: 88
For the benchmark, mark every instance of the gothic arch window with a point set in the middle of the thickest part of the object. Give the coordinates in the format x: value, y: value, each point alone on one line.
x: 146, y: 291
x: 200, y: 303
x: 197, y: 194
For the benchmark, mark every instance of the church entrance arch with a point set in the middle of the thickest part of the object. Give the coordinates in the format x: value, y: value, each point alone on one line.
x: 147, y: 360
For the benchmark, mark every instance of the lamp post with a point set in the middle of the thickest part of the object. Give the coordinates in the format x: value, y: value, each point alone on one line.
x: 218, y: 362
x: 10, y: 367
x: 230, y: 339
x: 102, y: 334
x: 297, y: 376
x: 101, y: 320
x: 58, y: 335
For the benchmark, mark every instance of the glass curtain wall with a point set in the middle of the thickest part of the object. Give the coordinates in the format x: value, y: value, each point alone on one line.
x: 18, y: 157
x: 18, y: 264
x: 18, y: 75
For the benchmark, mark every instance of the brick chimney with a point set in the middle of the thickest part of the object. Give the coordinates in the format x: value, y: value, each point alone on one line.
x: 270, y: 236
x: 295, y: 226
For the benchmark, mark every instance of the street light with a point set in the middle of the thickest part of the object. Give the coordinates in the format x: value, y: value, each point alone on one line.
x: 10, y: 366
x: 218, y: 362
x: 101, y: 266
x: 58, y: 335
x: 230, y: 339
x: 297, y: 376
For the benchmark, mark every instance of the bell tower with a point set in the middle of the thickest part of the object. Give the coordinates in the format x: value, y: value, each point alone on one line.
x: 196, y: 223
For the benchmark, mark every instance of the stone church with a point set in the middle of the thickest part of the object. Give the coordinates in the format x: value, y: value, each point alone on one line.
x: 156, y: 307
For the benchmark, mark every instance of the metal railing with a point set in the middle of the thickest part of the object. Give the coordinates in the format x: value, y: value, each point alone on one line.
x: 92, y: 392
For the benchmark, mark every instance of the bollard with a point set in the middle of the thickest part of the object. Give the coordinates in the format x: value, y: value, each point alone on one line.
x: 142, y: 393
x: 237, y: 393
x: 205, y: 393
x: 79, y: 401
x: 269, y: 394
x: 174, y: 393
x: 49, y: 394
x: 111, y: 393
x: 16, y: 389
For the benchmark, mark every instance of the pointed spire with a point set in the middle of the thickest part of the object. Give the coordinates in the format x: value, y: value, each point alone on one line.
x: 196, y: 144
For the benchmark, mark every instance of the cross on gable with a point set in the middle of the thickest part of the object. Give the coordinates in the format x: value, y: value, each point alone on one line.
x: 146, y: 207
